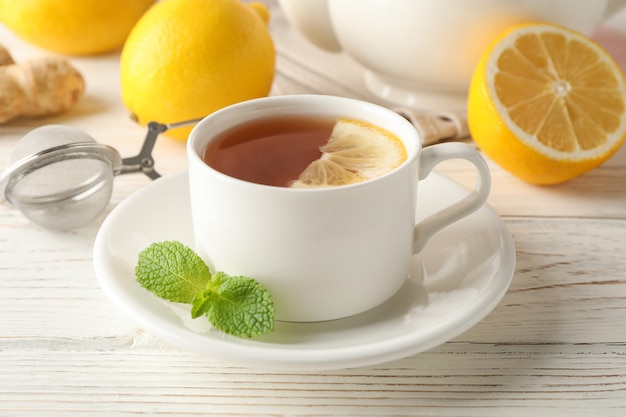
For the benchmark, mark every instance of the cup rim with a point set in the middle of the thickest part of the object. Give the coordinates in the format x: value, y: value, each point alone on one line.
x: 297, y: 104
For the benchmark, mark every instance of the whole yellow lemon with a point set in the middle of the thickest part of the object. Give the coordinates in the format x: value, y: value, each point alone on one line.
x: 185, y: 59
x: 73, y: 27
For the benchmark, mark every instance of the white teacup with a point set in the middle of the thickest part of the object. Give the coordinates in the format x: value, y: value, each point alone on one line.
x: 421, y: 53
x: 323, y: 253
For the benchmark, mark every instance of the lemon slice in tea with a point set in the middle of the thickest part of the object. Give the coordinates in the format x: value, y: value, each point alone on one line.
x: 356, y: 151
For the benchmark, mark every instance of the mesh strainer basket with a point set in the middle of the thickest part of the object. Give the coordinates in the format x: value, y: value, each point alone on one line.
x: 60, y: 178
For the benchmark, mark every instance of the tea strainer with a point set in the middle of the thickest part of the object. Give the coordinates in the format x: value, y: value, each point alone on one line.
x: 60, y: 178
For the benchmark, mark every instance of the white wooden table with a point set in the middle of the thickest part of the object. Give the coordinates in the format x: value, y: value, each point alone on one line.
x: 555, y: 345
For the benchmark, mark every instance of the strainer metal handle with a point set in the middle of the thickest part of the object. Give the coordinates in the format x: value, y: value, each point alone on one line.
x: 143, y: 161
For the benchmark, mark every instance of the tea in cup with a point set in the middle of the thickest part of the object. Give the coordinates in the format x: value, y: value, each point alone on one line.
x: 325, y: 249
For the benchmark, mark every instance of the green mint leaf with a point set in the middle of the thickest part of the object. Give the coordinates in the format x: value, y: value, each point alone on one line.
x: 239, y: 306
x: 172, y: 271
x: 201, y: 304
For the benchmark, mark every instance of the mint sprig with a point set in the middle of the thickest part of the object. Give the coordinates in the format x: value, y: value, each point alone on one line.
x: 239, y: 306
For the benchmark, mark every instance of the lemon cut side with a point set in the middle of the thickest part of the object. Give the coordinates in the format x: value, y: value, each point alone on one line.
x: 547, y: 104
x: 356, y: 151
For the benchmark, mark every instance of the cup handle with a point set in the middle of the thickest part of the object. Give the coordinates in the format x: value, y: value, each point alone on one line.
x: 430, y: 157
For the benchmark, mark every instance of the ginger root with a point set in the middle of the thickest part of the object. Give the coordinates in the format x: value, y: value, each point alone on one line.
x: 5, y: 56
x: 38, y: 87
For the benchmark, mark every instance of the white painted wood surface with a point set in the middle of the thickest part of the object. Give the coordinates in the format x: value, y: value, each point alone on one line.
x: 554, y: 346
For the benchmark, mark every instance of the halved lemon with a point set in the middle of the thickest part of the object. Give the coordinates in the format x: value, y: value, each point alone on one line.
x: 356, y: 151
x: 547, y: 103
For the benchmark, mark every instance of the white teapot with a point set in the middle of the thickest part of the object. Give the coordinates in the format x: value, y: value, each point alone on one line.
x: 421, y: 53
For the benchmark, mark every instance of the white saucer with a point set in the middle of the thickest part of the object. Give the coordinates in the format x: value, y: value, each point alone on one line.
x: 465, y: 271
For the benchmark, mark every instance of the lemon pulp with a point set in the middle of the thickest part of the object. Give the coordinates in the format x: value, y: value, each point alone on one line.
x: 356, y: 151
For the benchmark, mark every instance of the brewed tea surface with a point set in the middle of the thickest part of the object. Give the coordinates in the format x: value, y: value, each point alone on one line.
x: 269, y: 151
